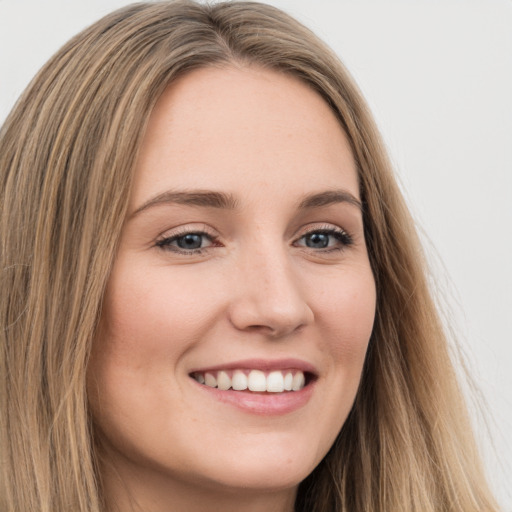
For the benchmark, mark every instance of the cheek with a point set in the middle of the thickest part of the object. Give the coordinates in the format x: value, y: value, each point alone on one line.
x: 346, y: 310
x: 148, y: 315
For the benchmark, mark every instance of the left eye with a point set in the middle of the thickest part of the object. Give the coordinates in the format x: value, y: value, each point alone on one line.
x: 186, y: 242
x: 325, y: 239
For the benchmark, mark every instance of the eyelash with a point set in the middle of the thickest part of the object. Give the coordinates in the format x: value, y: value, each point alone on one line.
x: 165, y: 243
x: 344, y: 239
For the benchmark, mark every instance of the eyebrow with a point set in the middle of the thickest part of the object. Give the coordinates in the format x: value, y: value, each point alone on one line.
x: 328, y: 198
x: 221, y: 200
x: 204, y: 198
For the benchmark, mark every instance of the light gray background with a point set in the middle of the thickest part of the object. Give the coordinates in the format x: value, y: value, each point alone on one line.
x: 438, y: 77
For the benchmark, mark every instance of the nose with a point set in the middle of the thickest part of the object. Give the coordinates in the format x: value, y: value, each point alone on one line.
x: 268, y: 296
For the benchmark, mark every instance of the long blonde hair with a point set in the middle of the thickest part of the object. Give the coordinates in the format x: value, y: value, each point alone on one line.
x: 66, y: 158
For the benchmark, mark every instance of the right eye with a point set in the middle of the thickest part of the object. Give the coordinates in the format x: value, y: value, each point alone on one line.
x: 191, y: 242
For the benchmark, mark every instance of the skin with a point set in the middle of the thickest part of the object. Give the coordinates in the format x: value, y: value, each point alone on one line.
x: 256, y: 288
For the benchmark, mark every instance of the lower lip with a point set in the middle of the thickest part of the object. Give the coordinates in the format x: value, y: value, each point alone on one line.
x: 264, y: 404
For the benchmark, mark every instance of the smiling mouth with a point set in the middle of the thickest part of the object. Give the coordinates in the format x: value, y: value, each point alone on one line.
x: 257, y: 381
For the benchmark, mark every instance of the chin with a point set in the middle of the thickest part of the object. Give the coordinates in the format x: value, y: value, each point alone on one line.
x: 266, y: 466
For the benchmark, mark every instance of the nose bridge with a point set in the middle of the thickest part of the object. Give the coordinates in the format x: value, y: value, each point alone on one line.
x: 270, y: 297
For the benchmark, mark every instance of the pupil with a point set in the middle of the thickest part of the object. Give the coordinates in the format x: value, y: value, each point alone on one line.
x: 191, y: 241
x: 318, y: 241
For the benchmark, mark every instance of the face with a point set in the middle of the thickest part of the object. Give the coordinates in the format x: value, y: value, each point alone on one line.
x: 242, y: 263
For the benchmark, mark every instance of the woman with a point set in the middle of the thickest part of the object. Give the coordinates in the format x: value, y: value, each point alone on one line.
x: 215, y: 297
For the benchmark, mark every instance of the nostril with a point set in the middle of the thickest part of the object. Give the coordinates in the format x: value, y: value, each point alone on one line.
x: 274, y: 310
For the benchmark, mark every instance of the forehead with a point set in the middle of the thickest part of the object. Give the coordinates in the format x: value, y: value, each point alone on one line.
x: 235, y: 129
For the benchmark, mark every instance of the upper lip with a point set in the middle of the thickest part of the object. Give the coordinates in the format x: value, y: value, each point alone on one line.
x: 261, y: 364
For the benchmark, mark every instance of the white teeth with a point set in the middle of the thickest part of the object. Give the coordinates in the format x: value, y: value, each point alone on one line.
x: 275, y: 382
x: 257, y: 381
x: 298, y: 381
x: 223, y: 381
x: 239, y: 381
x: 210, y: 380
x: 288, y: 381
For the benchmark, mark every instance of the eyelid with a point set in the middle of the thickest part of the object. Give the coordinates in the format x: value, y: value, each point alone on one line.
x: 321, y: 227
x: 185, y: 229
